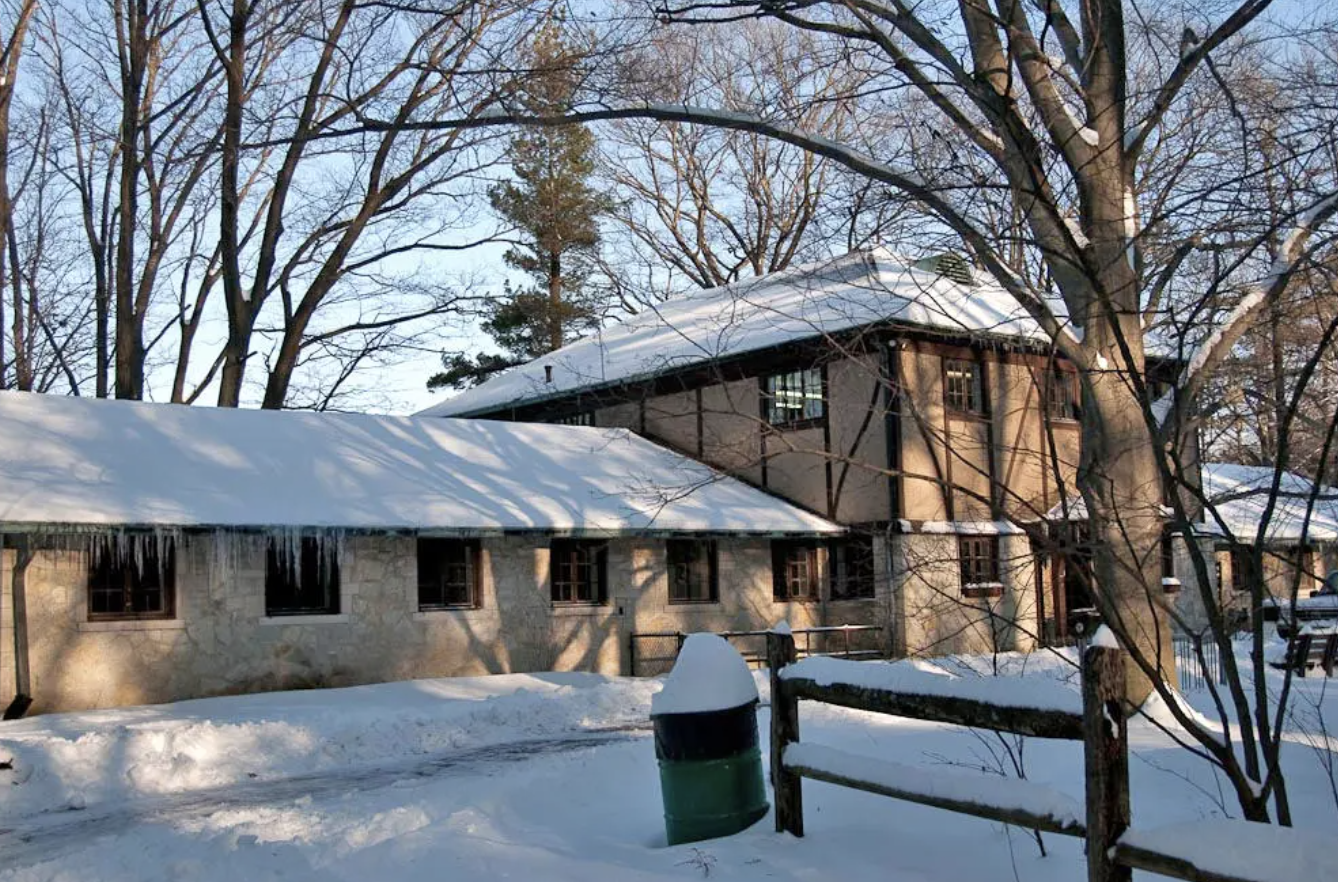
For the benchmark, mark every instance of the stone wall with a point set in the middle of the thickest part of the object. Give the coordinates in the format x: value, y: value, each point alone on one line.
x: 938, y: 618
x: 222, y: 643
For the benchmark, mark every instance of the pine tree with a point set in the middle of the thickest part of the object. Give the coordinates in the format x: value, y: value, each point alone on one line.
x: 555, y: 211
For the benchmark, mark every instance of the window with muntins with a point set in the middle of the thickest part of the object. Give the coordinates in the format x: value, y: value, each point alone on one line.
x: 794, y: 398
x: 301, y: 582
x: 979, y: 558
x: 1061, y: 395
x: 141, y: 586
x: 584, y: 418
x: 962, y: 390
x: 796, y: 570
x: 852, y: 568
x: 579, y: 571
x: 448, y: 574
x: 1240, y: 568
x: 693, y: 571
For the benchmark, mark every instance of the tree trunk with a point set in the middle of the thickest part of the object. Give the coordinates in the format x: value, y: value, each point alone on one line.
x: 554, y: 301
x: 129, y: 323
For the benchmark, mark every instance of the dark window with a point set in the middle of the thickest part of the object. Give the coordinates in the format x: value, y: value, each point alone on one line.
x: 448, y: 573
x: 584, y: 418
x: 1061, y: 395
x: 794, y: 398
x: 795, y: 570
x: 961, y: 386
x: 579, y: 571
x: 1240, y: 568
x: 139, y: 586
x: 852, y: 568
x: 1169, y: 582
x: 301, y: 582
x: 979, y: 556
x: 693, y: 573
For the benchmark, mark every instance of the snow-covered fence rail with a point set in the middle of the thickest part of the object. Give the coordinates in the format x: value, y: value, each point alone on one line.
x: 1096, y: 718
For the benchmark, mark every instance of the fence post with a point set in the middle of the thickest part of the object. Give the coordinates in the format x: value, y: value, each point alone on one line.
x: 1106, y: 756
x: 784, y: 730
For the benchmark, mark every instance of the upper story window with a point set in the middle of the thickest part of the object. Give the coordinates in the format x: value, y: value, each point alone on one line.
x: 1240, y: 569
x: 302, y: 581
x: 448, y: 574
x: 693, y: 571
x: 979, y: 560
x: 795, y: 570
x: 794, y: 398
x: 853, y: 568
x: 962, y: 387
x: 578, y: 569
x: 1061, y: 395
x: 142, y: 586
x: 584, y: 418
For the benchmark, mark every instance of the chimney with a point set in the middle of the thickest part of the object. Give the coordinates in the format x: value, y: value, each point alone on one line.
x: 548, y: 373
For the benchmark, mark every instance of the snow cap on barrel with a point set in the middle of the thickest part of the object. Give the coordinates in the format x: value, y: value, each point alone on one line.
x: 709, y: 675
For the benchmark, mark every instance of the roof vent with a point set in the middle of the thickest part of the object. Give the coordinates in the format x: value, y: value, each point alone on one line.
x: 548, y: 373
x: 949, y: 265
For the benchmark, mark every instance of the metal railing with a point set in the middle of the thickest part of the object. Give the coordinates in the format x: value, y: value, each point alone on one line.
x: 1196, y: 673
x: 652, y: 653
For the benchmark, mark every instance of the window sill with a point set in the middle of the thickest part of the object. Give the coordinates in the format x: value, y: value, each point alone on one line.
x: 428, y: 615
x: 971, y: 415
x: 581, y: 609
x: 797, y: 425
x: 316, y: 619
x: 870, y: 599
x: 134, y: 625
x: 983, y: 590
x: 796, y: 600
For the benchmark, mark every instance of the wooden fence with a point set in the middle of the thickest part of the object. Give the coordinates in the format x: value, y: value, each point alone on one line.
x: 1101, y: 725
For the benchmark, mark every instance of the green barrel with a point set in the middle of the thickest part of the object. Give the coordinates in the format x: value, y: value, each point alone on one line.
x: 710, y: 772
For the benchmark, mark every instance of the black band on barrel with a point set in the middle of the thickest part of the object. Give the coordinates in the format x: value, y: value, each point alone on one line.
x: 706, y: 735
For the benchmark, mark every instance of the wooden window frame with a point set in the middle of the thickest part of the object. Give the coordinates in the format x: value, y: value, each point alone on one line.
x: 974, y: 403
x: 1170, y: 583
x: 674, y: 548
x: 978, y: 564
x: 842, y: 556
x: 111, y: 574
x: 281, y: 576
x: 1065, y: 407
x: 435, y: 563
x: 1240, y: 567
x: 588, y: 556
x: 776, y: 387
x: 786, y: 552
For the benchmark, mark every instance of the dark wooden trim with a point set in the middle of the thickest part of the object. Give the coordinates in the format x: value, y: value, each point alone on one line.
x: 896, y: 481
x: 827, y: 442
x: 949, y: 493
x: 701, y: 427
x: 757, y: 363
x: 991, y: 455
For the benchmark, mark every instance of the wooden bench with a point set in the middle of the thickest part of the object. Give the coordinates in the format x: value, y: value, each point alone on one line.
x: 1309, y: 650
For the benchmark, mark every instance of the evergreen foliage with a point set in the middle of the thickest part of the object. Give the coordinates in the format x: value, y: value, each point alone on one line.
x: 555, y: 212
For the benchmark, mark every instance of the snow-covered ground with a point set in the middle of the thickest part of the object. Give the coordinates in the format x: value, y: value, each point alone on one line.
x: 531, y: 777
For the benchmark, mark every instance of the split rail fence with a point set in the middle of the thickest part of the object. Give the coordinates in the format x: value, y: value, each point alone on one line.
x: 1113, y: 851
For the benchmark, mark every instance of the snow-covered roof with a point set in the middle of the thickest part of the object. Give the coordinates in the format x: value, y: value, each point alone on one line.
x: 91, y: 463
x: 1240, y: 493
x: 841, y: 294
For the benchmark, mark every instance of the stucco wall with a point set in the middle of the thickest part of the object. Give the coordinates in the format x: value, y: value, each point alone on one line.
x: 221, y: 642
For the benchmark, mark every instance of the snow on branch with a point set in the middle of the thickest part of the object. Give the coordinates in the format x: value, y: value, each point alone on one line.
x: 1218, y: 344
